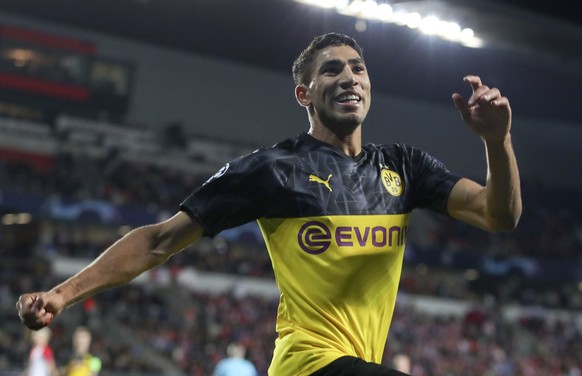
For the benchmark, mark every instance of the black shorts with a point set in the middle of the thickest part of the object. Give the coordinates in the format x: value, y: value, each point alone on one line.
x: 352, y: 366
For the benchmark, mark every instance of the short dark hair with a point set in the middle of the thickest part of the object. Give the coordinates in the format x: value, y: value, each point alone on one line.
x: 303, y: 65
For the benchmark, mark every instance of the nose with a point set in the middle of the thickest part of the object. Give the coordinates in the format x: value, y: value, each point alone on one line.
x: 348, y: 78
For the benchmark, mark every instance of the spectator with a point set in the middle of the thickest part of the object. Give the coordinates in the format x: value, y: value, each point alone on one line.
x: 235, y: 363
x: 41, y: 360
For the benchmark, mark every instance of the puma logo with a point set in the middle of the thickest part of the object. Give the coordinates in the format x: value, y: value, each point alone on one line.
x: 319, y: 180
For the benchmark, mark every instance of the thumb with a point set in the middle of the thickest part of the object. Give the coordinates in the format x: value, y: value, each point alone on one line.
x: 44, y: 308
x: 37, y: 303
x: 462, y: 106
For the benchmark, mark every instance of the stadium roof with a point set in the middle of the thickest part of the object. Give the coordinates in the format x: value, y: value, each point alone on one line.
x: 532, y: 49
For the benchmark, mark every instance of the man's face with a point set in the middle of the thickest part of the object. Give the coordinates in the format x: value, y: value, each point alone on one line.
x: 339, y: 90
x: 82, y: 342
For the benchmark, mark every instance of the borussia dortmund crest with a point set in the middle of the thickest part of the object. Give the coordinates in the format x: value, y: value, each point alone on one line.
x: 392, y: 182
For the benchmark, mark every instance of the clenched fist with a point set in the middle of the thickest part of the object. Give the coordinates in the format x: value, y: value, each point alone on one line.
x: 36, y: 310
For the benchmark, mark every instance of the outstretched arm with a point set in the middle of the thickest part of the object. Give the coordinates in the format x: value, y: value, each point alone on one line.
x: 497, y: 205
x: 140, y: 250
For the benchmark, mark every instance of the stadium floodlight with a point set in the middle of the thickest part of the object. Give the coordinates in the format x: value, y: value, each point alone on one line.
x: 429, y: 25
x: 412, y: 20
x: 341, y: 4
x: 450, y: 30
x: 385, y: 12
x: 402, y: 15
x: 354, y: 8
x: 319, y: 3
x: 467, y: 38
x: 369, y: 9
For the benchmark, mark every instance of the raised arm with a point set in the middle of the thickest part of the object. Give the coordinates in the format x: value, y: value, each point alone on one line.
x: 497, y: 205
x: 140, y: 250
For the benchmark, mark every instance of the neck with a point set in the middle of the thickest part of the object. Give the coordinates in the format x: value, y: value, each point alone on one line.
x: 349, y: 142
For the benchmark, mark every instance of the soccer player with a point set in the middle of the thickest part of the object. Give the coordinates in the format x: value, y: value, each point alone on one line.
x: 82, y: 362
x: 334, y: 214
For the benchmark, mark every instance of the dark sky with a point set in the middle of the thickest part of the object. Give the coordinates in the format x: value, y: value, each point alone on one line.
x: 565, y: 12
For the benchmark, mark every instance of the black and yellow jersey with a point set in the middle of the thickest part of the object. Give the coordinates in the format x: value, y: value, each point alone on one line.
x: 335, y: 228
x: 83, y: 365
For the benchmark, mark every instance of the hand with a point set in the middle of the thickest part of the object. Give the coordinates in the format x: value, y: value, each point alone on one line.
x: 36, y: 310
x: 487, y: 112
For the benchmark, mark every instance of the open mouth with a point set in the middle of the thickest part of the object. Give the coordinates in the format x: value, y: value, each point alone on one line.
x: 348, y: 99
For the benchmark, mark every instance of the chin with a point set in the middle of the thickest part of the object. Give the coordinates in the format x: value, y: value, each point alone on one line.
x: 343, y: 123
x: 351, y: 121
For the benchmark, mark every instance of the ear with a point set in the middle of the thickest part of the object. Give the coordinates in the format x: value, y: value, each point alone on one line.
x: 302, y: 95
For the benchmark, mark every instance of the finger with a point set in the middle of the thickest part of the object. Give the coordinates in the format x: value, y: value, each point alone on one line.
x: 491, y: 94
x: 478, y: 89
x: 36, y: 321
x: 487, y: 97
x: 36, y: 325
x: 38, y: 303
x: 478, y: 95
x: 474, y: 81
x: 46, y: 318
x: 462, y: 106
x: 32, y: 312
x: 500, y: 102
x: 24, y: 303
x: 39, y: 306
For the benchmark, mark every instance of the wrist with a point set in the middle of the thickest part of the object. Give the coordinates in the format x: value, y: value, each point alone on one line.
x: 60, y: 297
x: 498, y: 141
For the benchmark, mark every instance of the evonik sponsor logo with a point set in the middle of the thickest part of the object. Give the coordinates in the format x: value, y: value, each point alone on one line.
x: 315, y: 237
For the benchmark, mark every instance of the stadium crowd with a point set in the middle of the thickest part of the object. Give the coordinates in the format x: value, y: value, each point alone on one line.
x: 551, y: 226
x: 478, y: 342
